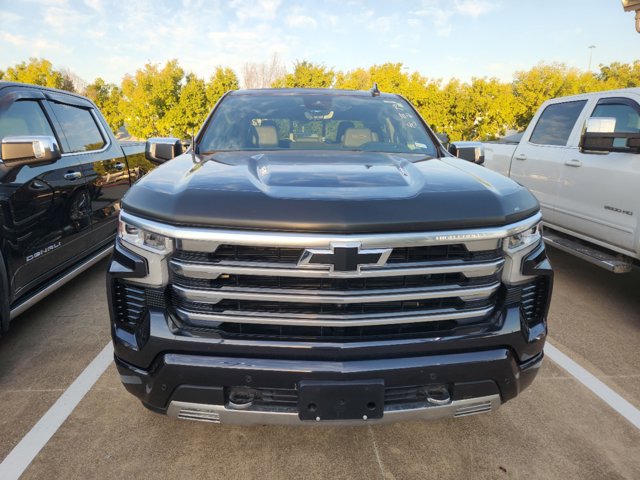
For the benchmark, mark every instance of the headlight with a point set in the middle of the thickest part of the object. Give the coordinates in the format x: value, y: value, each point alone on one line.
x: 516, y: 248
x: 144, y: 239
x: 524, y: 239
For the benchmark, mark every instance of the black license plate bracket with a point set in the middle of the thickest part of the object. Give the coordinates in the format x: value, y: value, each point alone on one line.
x: 340, y: 400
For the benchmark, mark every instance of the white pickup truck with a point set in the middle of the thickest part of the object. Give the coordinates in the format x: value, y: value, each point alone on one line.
x: 580, y: 156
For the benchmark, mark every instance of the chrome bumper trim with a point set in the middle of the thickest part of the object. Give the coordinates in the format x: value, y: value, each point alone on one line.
x: 220, y: 414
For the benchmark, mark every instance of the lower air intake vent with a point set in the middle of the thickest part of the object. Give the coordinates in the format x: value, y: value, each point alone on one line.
x: 534, y: 301
x: 130, y: 305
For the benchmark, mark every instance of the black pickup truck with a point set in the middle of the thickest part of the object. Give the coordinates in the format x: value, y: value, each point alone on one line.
x: 62, y: 176
x: 318, y: 256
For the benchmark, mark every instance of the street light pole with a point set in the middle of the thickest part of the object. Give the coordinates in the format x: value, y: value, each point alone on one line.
x: 591, y: 47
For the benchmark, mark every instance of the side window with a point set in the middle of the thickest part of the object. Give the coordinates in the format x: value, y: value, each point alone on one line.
x: 24, y: 117
x: 79, y: 127
x: 627, y: 117
x: 556, y: 122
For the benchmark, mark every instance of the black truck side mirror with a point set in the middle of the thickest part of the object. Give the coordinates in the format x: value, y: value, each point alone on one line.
x: 160, y: 150
x: 470, y: 151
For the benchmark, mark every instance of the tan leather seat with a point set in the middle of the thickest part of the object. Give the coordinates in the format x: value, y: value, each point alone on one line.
x: 342, y: 127
x: 354, y: 137
x: 267, y: 136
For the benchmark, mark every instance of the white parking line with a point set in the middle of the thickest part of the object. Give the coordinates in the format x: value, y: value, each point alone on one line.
x: 614, y: 400
x: 24, y: 452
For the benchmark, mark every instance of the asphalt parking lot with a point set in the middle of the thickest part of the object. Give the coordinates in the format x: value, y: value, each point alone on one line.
x: 555, y: 429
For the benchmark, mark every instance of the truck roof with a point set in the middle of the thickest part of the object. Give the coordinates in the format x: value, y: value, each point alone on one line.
x: 317, y: 91
x: 634, y: 90
x: 6, y: 84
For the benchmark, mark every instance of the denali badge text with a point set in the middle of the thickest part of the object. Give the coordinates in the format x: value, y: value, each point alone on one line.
x: 41, y: 252
x: 346, y: 257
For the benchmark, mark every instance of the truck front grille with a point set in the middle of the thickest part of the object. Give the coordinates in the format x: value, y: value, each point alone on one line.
x: 263, y: 292
x: 243, y: 253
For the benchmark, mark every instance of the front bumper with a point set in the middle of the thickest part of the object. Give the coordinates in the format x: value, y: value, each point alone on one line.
x: 197, y: 387
x: 223, y: 415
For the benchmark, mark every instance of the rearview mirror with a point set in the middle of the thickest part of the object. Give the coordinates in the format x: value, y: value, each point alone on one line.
x: 24, y: 150
x: 160, y: 150
x: 470, y: 151
x: 599, y: 135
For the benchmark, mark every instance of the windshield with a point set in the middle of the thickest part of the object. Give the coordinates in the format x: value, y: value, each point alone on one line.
x: 315, y: 122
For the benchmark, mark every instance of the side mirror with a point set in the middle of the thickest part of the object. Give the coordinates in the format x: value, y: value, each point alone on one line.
x: 470, y: 151
x: 160, y: 150
x: 444, y: 139
x: 599, y: 135
x: 25, y: 150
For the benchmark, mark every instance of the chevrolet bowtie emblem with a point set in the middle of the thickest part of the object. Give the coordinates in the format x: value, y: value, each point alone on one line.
x: 344, y: 257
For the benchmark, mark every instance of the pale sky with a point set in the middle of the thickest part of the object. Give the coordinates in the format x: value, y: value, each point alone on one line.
x: 438, y: 38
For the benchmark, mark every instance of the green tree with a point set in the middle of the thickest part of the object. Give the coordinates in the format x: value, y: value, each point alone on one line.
x: 148, y: 96
x: 306, y: 75
x: 488, y: 108
x: 358, y: 79
x: 222, y: 80
x: 389, y: 77
x: 191, y: 110
x: 38, y: 71
x: 620, y: 75
x: 108, y: 98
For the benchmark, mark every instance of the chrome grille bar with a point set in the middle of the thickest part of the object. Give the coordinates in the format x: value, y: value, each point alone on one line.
x: 212, y: 271
x: 208, y: 239
x: 268, y: 318
x: 344, y: 297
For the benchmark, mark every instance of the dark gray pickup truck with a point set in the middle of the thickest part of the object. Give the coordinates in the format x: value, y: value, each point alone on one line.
x: 317, y: 256
x: 62, y: 176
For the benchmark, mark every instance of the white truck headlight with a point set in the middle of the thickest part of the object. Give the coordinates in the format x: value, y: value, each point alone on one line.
x: 141, y: 238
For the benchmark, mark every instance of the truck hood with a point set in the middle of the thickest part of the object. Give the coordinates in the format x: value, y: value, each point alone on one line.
x: 341, y: 192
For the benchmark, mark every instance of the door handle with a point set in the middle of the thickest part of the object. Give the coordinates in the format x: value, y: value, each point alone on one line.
x: 72, y: 175
x: 521, y: 156
x: 574, y: 162
x: 119, y: 166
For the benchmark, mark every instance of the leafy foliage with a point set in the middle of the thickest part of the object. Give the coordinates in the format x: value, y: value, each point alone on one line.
x: 222, y: 80
x: 191, y: 110
x: 148, y: 96
x: 620, y: 75
x: 38, y: 71
x: 108, y: 98
x: 308, y: 75
x: 162, y: 101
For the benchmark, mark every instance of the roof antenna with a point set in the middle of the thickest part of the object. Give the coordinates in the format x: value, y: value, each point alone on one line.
x: 374, y: 91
